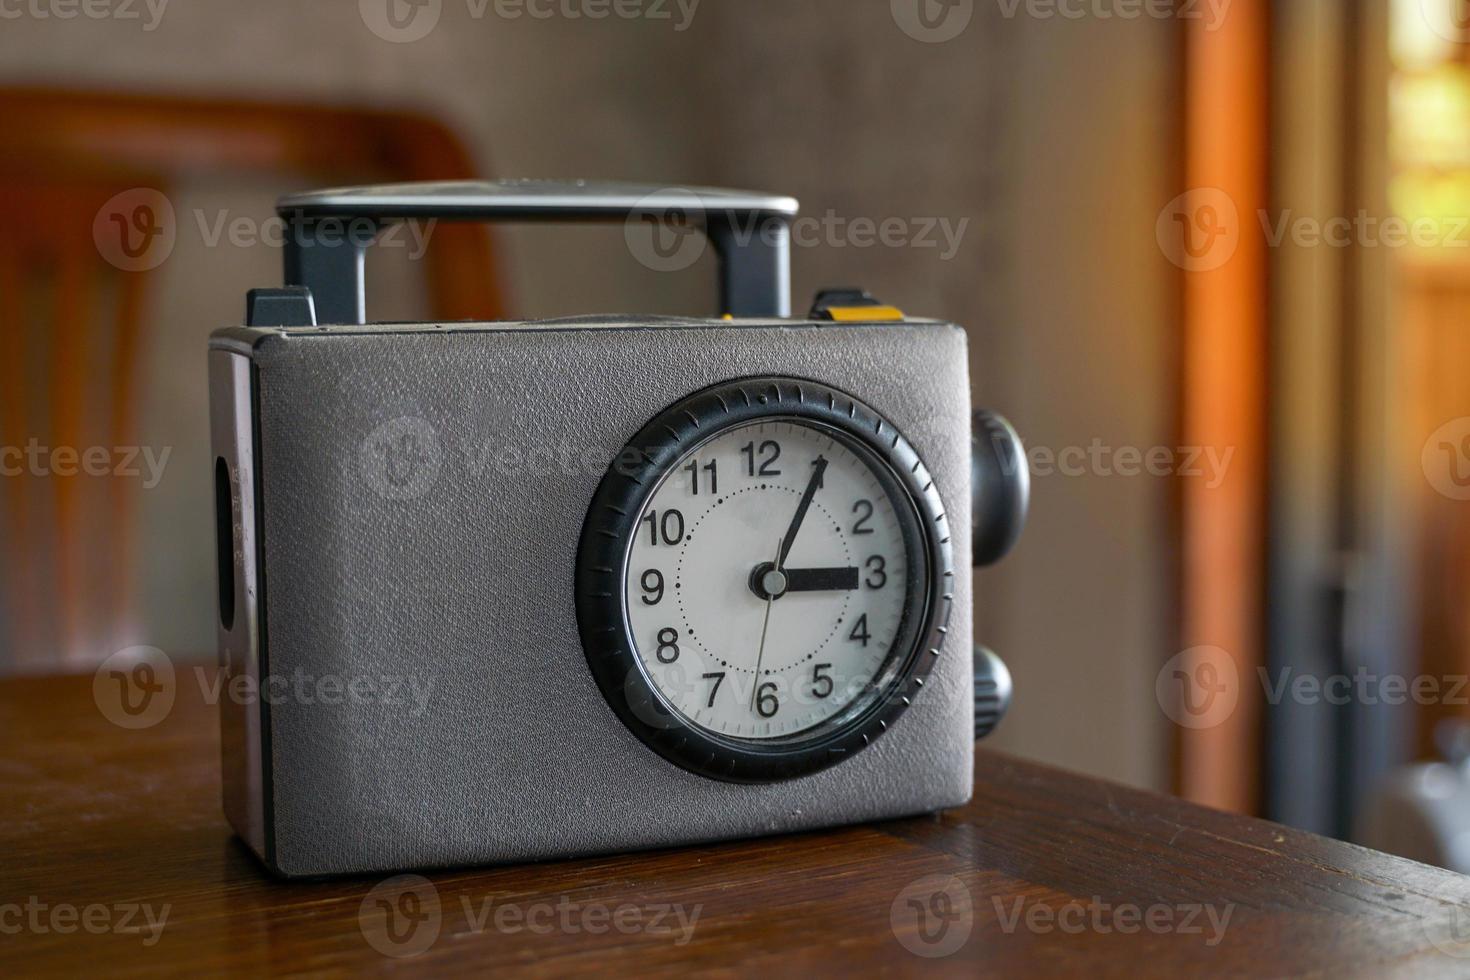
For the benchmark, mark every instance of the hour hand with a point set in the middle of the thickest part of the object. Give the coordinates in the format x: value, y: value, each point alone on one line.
x: 821, y: 579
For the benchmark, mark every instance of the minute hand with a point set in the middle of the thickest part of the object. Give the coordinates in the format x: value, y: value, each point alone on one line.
x: 819, y: 467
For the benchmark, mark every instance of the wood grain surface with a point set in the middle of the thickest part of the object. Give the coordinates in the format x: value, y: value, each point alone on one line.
x: 114, y: 858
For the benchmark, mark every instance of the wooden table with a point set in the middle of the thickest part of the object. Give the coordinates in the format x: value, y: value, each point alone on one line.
x: 1044, y: 874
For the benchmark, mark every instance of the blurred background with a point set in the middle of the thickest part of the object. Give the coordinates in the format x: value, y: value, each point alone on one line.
x: 1213, y: 257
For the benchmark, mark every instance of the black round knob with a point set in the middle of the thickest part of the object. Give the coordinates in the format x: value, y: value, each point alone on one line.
x: 992, y: 691
x: 1000, y: 487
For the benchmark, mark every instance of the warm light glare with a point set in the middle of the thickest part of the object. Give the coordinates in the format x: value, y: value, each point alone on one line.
x: 1414, y: 42
x: 1429, y: 126
x: 1431, y: 117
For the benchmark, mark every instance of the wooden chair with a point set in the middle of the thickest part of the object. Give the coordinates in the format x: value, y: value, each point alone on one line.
x: 71, y: 322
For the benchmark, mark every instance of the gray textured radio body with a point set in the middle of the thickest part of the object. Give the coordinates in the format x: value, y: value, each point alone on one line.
x: 424, y: 695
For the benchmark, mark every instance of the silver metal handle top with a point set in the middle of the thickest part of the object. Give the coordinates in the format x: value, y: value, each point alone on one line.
x: 534, y: 199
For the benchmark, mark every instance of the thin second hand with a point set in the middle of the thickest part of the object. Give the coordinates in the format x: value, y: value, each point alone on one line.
x: 761, y: 653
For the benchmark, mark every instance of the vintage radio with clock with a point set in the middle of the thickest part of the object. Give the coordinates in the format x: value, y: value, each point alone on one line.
x: 510, y: 591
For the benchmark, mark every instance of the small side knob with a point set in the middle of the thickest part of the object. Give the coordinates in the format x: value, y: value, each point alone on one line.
x: 1000, y: 487
x: 992, y: 691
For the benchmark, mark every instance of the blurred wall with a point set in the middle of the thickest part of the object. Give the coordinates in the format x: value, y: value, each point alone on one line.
x: 1047, y: 145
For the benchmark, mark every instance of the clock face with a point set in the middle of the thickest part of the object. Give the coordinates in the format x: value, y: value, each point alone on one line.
x: 763, y: 581
x: 770, y: 578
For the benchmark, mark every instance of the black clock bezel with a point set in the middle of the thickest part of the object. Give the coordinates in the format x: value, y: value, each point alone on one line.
x: 601, y: 588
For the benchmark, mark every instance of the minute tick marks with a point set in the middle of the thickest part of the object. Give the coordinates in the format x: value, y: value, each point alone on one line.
x: 765, y: 588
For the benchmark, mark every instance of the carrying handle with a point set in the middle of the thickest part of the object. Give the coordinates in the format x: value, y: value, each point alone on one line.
x: 330, y: 231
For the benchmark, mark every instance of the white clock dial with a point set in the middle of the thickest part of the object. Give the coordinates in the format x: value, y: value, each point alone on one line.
x: 770, y: 578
